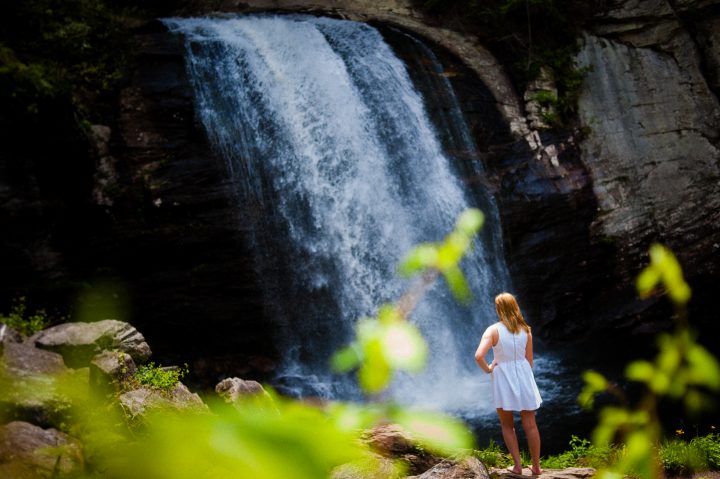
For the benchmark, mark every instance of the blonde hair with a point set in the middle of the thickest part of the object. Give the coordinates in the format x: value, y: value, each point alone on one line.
x: 509, y: 313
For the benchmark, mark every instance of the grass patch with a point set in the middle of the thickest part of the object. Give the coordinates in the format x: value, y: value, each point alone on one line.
x: 680, y: 457
x: 493, y: 456
x: 583, y: 453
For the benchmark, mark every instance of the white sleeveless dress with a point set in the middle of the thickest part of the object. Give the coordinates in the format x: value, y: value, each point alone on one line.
x: 513, y: 382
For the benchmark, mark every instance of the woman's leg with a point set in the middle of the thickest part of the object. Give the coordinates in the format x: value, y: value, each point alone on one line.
x: 533, y: 438
x: 507, y: 424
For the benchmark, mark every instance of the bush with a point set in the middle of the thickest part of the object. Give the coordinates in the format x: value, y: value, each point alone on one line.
x: 159, y: 378
x: 583, y: 453
x: 708, y: 447
x: 23, y: 322
x: 680, y: 457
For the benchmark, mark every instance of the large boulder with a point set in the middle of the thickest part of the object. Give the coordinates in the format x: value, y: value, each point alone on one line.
x: 29, y: 384
x: 80, y: 342
x: 139, y: 402
x: 468, y: 468
x: 8, y: 335
x: 23, y: 359
x: 28, y: 451
x: 394, y: 442
x: 111, y: 367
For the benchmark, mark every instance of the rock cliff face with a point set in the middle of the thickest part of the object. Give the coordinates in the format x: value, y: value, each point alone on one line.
x: 156, y: 209
x: 650, y: 161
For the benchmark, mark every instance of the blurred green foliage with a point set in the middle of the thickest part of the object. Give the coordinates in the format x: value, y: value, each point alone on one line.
x: 389, y: 342
x: 682, y: 369
x: 22, y: 321
x: 273, y: 438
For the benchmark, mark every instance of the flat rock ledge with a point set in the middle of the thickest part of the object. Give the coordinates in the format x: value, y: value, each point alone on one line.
x: 80, y: 342
x: 569, y: 473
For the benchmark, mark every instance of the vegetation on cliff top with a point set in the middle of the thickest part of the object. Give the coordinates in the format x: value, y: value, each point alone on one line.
x: 528, y: 35
x: 57, y: 54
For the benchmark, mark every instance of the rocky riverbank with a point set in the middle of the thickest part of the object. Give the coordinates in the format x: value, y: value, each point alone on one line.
x: 38, y: 436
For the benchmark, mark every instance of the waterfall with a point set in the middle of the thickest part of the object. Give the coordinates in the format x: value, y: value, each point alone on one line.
x: 339, y: 172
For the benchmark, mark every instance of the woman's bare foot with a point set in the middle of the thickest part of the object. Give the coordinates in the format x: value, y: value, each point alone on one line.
x: 515, y: 470
x: 536, y: 471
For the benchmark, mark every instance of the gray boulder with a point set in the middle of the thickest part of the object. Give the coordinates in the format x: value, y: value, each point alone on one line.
x: 9, y: 335
x: 23, y: 359
x: 111, y: 367
x: 138, y: 402
x: 468, y: 468
x: 28, y: 451
x: 28, y: 389
x: 392, y: 441
x: 80, y: 342
x: 232, y: 389
x: 241, y: 392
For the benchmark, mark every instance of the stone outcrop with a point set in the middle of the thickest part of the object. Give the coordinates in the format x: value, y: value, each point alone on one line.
x: 468, y: 468
x: 643, y: 167
x: 578, y: 208
x: 111, y: 367
x: 80, y: 342
x: 392, y: 442
x: 139, y: 402
x: 28, y: 452
x: 28, y: 391
x: 568, y: 473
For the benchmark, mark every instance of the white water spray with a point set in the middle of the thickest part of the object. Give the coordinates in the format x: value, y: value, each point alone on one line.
x: 325, y: 135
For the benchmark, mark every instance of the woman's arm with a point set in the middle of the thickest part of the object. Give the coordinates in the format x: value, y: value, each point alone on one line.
x: 486, y: 343
x: 528, y: 350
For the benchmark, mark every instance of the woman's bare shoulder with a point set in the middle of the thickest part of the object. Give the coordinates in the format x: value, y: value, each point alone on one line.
x: 492, y: 329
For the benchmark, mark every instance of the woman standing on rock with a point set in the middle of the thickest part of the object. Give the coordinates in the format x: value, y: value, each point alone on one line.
x: 513, y: 383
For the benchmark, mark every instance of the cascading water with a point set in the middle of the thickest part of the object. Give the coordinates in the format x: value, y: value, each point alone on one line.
x: 339, y: 173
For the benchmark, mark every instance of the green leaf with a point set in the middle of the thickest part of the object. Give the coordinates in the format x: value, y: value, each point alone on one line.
x: 436, y: 432
x: 457, y: 284
x: 660, y: 383
x: 595, y: 380
x: 641, y: 371
x: 375, y: 372
x: 669, y: 357
x: 594, y: 383
x: 350, y: 418
x: 639, y: 457
x: 666, y: 265
x: 419, y: 259
x: 374, y: 376
x: 703, y: 367
x: 345, y: 359
x: 470, y: 221
x: 389, y: 314
x: 647, y: 280
x: 451, y: 251
x: 404, y: 346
